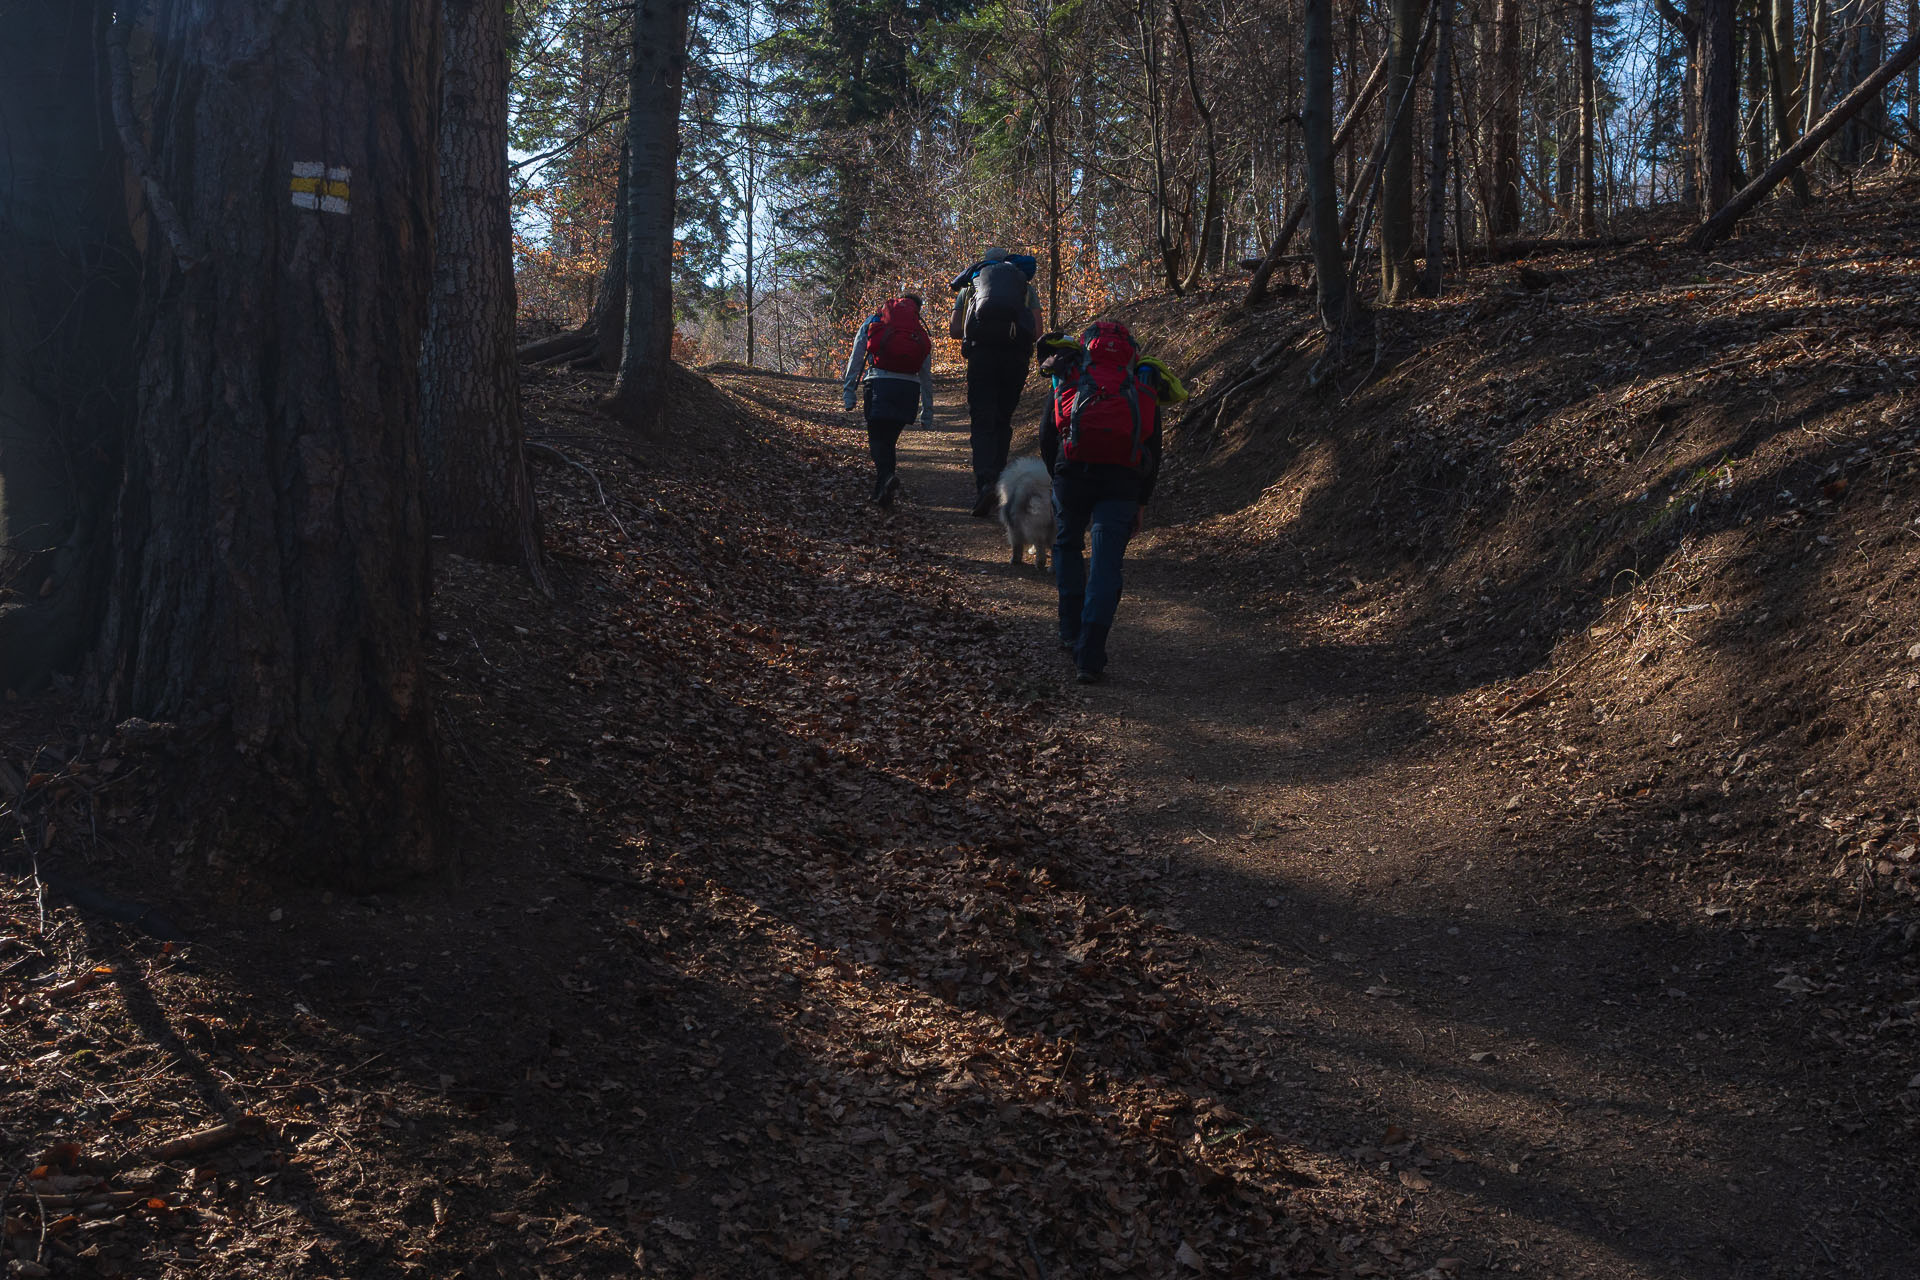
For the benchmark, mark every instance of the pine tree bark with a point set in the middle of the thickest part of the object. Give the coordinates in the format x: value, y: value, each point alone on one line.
x: 68, y: 296
x: 1433, y: 277
x: 1396, y: 173
x: 1503, y: 213
x: 270, y: 578
x: 479, y: 495
x: 656, y: 73
x: 1719, y: 87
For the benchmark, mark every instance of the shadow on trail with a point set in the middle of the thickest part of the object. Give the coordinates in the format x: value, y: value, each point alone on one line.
x: 1638, y: 1125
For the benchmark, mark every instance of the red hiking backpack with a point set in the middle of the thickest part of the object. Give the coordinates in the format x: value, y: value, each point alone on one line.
x: 1106, y: 413
x: 898, y: 341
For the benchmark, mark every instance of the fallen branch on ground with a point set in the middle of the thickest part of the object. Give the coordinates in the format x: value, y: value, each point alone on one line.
x: 559, y: 347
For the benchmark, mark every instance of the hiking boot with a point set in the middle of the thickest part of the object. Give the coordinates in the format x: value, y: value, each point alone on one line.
x: 1084, y: 676
x: 884, y: 491
x: 984, y: 504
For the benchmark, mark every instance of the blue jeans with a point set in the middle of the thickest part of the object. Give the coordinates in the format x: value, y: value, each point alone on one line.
x: 1089, y: 596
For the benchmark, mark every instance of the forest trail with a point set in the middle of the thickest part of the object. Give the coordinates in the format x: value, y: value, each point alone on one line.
x: 814, y: 923
x: 1559, y: 1089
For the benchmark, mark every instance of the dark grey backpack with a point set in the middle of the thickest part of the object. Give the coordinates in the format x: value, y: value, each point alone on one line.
x: 997, y: 314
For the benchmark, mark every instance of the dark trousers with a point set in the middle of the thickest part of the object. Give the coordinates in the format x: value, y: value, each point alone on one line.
x: 995, y: 379
x: 881, y: 439
x: 1089, y: 585
x: 891, y: 404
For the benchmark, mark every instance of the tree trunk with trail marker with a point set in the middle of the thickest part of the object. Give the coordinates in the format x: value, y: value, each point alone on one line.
x: 270, y: 578
x: 479, y: 495
x: 68, y: 297
x: 656, y: 73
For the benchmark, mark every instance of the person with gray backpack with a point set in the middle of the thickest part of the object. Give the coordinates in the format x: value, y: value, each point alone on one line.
x: 996, y: 319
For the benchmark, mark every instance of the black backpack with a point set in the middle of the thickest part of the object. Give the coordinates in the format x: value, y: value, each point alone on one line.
x: 997, y: 313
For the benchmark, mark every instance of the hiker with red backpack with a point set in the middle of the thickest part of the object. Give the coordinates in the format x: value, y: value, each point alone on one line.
x: 893, y: 355
x: 996, y: 317
x: 1102, y: 443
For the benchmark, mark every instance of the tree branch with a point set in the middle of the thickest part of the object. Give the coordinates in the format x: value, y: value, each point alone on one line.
x: 1716, y: 228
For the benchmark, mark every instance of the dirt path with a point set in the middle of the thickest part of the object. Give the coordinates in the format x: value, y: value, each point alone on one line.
x: 1560, y: 1090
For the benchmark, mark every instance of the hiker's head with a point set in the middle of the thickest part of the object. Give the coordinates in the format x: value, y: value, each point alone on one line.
x: 996, y: 254
x: 914, y: 298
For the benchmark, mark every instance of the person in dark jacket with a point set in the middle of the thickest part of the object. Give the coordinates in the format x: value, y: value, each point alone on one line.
x: 1104, y: 500
x: 996, y: 316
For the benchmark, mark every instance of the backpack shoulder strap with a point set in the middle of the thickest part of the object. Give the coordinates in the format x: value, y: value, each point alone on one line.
x: 1083, y: 391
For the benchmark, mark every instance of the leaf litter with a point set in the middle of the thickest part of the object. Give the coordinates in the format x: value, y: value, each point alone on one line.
x: 789, y: 939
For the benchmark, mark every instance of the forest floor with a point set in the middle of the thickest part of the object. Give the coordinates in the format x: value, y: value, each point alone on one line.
x: 1492, y: 853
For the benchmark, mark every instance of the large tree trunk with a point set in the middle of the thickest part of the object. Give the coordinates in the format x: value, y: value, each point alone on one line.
x: 1584, y: 161
x: 68, y: 294
x: 1337, y: 302
x: 1436, y: 266
x: 479, y: 495
x: 270, y: 581
x: 653, y: 135
x: 1719, y: 86
x: 1396, y: 174
x: 1087, y: 188
x: 1503, y: 214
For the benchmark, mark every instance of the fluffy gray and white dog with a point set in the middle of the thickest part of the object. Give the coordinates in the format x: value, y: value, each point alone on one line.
x: 1026, y: 509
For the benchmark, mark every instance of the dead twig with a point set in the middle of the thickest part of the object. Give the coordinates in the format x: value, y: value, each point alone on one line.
x: 309, y: 1084
x: 597, y: 487
x: 201, y: 1141
x: 1262, y: 367
x: 101, y: 1199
